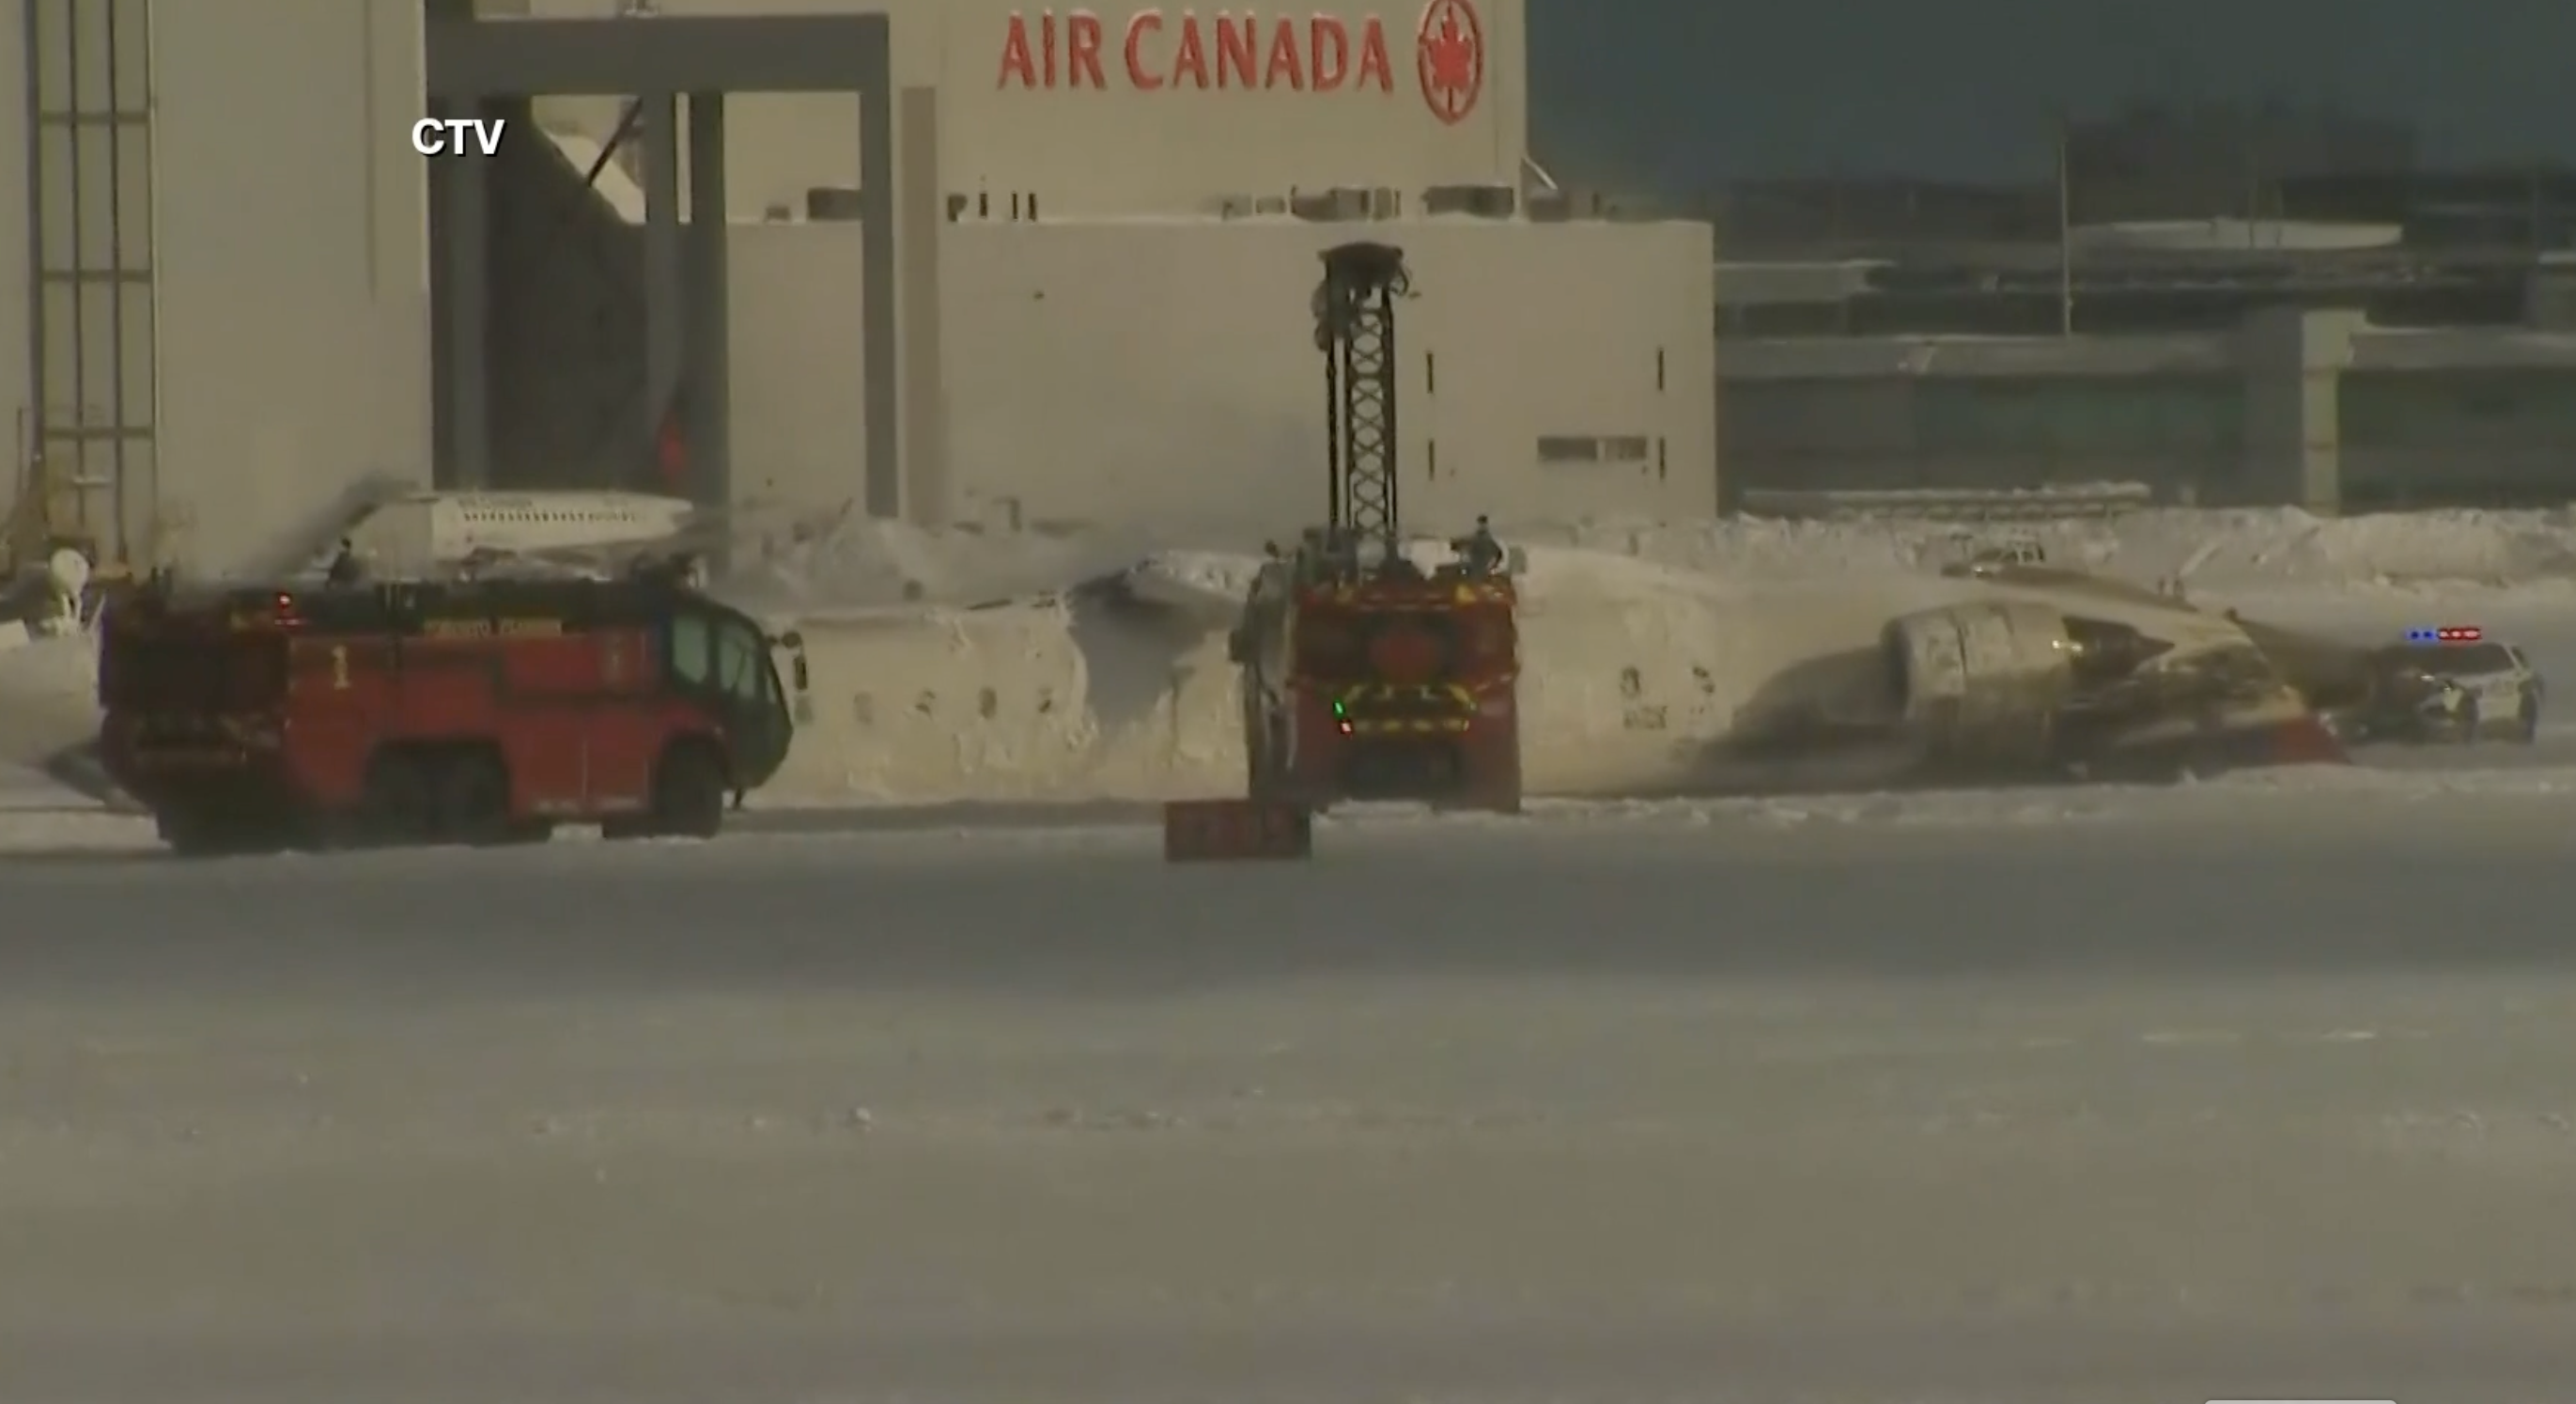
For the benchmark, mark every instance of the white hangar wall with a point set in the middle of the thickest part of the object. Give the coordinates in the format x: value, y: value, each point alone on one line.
x: 235, y: 305
x: 1134, y: 107
x: 1117, y: 354
x: 1163, y: 374
x: 290, y: 235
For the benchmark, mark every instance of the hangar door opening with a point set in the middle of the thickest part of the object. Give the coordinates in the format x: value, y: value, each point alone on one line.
x: 680, y: 70
x: 563, y: 340
x: 87, y: 471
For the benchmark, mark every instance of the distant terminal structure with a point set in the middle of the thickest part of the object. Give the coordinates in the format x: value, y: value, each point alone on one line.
x: 2262, y: 312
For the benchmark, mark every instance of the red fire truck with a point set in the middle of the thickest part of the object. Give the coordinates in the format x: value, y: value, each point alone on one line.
x: 1386, y: 685
x: 257, y: 719
x: 1365, y: 676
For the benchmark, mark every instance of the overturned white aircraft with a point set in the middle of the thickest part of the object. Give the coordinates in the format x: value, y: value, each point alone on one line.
x: 1637, y: 680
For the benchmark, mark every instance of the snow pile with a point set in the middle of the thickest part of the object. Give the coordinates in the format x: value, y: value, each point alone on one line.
x: 846, y: 560
x: 48, y: 698
x: 824, y: 564
x: 51, y: 829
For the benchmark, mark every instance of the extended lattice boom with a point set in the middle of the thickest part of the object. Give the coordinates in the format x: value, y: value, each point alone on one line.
x: 1355, y: 329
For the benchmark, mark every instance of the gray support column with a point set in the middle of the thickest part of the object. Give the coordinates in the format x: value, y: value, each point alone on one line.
x: 467, y: 240
x: 708, y: 392
x: 2293, y: 361
x: 878, y: 344
x: 924, y: 218
x: 665, y: 299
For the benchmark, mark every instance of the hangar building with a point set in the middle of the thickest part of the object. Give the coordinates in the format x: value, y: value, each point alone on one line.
x: 246, y: 291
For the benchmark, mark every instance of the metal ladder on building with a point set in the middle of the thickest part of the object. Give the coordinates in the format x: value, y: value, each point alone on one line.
x: 89, y: 471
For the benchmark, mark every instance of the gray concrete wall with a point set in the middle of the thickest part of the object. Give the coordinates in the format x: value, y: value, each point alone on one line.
x: 2415, y: 437
x: 2317, y: 409
x: 293, y: 277
x: 2294, y: 364
x: 1163, y: 374
x: 1980, y: 434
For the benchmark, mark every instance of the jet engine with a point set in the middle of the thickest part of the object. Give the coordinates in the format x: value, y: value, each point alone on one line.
x: 1981, y: 684
x: 1991, y: 684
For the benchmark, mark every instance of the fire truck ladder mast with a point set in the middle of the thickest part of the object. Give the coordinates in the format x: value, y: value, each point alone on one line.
x: 1355, y: 329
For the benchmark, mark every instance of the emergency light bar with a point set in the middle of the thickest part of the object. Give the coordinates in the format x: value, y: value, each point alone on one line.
x: 2448, y: 634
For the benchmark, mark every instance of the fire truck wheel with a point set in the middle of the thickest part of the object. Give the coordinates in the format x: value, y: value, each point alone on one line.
x: 473, y: 798
x: 396, y: 807
x: 689, y: 791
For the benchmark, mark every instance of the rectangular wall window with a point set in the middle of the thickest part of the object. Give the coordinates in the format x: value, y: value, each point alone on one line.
x: 1596, y: 448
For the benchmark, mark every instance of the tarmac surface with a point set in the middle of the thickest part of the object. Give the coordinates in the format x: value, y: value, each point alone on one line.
x: 2059, y: 1096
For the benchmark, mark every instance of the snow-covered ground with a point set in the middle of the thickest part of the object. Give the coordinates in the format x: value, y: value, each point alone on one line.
x: 1663, y: 1104
x: 2250, y: 1088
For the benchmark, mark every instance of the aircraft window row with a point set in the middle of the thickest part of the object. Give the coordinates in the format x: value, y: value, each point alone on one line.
x: 548, y: 517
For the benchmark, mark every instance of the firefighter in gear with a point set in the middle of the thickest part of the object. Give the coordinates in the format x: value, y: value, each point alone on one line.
x: 345, y: 568
x: 1479, y: 554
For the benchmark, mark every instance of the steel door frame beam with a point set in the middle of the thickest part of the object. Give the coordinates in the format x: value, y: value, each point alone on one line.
x: 471, y: 59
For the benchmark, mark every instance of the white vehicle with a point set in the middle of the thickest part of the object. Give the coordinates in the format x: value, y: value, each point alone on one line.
x: 2458, y: 690
x: 1984, y: 559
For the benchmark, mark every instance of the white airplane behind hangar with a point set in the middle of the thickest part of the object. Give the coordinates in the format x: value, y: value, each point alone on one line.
x: 421, y: 534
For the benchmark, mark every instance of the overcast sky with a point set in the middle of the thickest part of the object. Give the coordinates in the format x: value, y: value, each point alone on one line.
x: 1690, y: 91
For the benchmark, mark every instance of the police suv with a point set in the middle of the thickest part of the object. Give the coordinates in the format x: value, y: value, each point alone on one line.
x: 2460, y: 686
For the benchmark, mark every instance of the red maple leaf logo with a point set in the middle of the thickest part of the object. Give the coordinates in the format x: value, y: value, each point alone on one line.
x: 1450, y: 57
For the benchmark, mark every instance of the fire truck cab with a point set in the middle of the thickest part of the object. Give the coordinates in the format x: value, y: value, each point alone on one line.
x: 261, y: 718
x: 1384, y: 682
